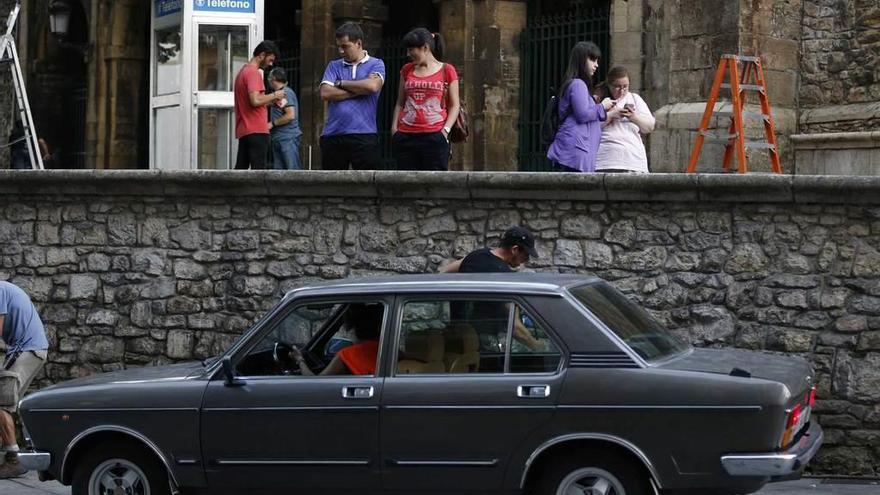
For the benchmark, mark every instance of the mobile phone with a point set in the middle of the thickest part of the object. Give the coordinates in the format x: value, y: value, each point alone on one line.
x: 630, y: 106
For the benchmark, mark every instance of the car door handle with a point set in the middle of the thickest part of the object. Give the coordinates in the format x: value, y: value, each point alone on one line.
x: 533, y: 391
x: 357, y: 392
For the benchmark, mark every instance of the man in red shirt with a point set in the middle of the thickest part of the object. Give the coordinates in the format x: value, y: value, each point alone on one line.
x: 251, y: 114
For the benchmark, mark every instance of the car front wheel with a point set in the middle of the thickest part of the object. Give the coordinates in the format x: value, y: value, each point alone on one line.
x: 589, y: 474
x: 119, y: 469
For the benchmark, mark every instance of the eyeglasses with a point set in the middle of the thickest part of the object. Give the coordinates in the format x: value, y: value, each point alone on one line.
x: 620, y: 87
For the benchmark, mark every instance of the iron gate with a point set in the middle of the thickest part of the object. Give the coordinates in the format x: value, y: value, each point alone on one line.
x: 394, y: 55
x: 545, y: 46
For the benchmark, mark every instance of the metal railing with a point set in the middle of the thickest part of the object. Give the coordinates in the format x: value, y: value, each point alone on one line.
x: 545, y: 46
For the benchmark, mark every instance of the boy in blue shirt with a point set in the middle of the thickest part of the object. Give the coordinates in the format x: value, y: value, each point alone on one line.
x: 284, y: 124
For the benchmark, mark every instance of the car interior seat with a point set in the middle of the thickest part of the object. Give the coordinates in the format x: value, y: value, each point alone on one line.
x: 462, y: 349
x: 423, y: 353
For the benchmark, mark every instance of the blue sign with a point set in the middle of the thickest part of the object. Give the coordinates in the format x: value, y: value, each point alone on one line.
x: 238, y: 6
x: 168, y: 7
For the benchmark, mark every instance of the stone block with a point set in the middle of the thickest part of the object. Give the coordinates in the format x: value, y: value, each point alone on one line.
x: 180, y: 344
x: 627, y: 47
x: 83, y: 287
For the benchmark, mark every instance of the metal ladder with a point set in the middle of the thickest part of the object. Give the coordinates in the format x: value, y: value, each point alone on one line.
x: 9, y: 55
x: 735, y: 139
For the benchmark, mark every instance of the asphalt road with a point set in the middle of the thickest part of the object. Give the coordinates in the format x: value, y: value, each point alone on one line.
x: 30, y: 485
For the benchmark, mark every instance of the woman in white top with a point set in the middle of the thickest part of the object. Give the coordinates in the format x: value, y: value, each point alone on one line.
x: 621, y: 148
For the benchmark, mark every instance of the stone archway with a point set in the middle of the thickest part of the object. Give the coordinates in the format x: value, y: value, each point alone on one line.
x: 57, y: 88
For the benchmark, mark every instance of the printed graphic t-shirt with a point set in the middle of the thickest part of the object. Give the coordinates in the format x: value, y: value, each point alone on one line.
x: 249, y: 120
x: 425, y: 108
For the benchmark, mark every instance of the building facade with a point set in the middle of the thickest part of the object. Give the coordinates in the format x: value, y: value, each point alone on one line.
x: 90, y: 92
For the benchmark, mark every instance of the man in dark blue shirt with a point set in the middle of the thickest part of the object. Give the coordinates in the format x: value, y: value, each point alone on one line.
x: 517, y: 246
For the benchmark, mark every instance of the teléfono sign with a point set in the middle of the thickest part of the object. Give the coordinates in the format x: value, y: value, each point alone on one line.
x: 246, y: 6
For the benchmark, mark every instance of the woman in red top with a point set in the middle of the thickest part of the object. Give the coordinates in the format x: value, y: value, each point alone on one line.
x: 356, y: 359
x: 427, y: 105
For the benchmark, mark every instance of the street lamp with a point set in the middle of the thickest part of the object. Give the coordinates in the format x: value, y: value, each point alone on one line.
x: 59, y: 18
x: 60, y: 13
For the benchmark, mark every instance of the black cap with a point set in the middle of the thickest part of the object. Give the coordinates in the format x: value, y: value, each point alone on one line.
x: 520, y: 236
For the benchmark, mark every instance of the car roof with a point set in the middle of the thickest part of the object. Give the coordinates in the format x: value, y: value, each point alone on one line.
x: 531, y: 283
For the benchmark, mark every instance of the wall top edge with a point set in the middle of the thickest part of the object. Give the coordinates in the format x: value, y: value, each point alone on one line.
x: 661, y: 188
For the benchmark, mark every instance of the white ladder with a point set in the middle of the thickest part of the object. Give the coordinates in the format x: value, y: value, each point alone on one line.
x: 9, y: 55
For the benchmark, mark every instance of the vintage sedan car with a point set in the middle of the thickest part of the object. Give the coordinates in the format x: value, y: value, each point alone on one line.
x: 485, y: 383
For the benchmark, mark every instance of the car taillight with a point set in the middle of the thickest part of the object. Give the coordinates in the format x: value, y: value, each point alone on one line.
x: 812, y: 397
x: 794, y: 417
x: 798, y: 416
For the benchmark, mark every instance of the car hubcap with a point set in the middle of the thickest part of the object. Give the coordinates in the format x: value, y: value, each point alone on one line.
x: 590, y: 481
x: 118, y: 477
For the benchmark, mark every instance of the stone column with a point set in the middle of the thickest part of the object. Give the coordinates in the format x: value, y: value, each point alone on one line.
x: 116, y: 70
x: 699, y: 32
x: 457, y: 26
x: 319, y: 21
x: 483, y: 39
x: 626, y: 40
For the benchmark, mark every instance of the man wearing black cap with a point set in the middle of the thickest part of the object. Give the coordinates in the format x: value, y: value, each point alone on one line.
x: 516, y: 248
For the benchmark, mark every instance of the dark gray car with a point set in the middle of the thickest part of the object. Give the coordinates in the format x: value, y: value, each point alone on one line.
x: 502, y: 383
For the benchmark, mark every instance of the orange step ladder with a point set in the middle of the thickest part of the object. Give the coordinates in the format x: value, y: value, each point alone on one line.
x: 735, y: 139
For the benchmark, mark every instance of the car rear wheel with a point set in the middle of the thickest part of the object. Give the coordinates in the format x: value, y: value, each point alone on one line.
x: 583, y: 473
x: 119, y: 469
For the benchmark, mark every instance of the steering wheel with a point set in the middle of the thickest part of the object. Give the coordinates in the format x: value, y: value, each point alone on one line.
x: 282, y: 354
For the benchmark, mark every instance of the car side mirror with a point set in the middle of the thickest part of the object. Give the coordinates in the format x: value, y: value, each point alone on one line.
x: 229, y: 373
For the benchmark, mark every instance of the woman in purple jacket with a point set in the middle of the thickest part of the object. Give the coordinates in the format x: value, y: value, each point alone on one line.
x: 577, y: 140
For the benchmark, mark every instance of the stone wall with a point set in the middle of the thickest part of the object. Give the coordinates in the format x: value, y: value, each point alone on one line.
x: 839, y: 95
x: 840, y: 48
x: 140, y: 268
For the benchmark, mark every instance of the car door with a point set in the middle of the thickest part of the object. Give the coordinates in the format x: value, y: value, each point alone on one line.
x: 462, y: 392
x: 277, y: 430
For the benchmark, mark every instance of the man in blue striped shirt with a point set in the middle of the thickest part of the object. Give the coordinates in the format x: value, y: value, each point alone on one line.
x: 351, y: 86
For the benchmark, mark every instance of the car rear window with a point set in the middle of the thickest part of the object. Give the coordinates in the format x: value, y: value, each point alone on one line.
x: 635, y: 326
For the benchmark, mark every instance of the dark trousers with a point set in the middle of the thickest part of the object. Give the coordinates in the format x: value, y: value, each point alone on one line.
x: 252, y: 151
x: 360, y: 151
x: 428, y: 151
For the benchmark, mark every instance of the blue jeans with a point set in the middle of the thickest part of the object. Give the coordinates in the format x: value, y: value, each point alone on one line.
x: 286, y: 153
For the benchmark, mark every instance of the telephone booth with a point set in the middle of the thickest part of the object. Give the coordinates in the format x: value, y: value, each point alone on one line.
x: 198, y: 47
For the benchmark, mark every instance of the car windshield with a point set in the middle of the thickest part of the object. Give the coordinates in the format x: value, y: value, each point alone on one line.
x: 635, y: 326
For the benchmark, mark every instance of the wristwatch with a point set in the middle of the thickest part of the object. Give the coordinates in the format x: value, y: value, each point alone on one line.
x: 337, y: 83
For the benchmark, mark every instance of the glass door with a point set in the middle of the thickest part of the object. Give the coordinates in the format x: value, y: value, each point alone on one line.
x: 168, y: 74
x: 221, y: 52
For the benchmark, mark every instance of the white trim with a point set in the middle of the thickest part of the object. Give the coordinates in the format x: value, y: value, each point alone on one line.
x: 646, y: 461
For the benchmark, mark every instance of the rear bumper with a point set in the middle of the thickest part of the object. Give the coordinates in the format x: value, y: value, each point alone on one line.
x: 777, y: 464
x: 34, y: 461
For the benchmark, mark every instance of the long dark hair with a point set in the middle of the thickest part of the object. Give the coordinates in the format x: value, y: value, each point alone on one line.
x: 420, y: 37
x: 577, y: 64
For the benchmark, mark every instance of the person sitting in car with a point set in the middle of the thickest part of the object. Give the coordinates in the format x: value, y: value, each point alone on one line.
x: 359, y: 358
